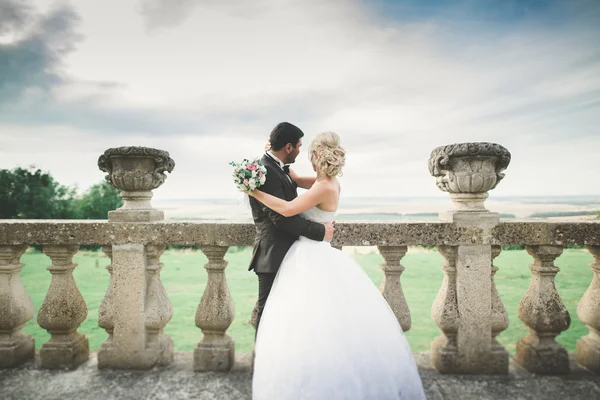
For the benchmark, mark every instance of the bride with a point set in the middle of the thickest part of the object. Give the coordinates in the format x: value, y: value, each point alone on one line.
x: 326, y: 332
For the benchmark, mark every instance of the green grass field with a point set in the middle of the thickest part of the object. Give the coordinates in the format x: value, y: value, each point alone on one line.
x: 184, y: 278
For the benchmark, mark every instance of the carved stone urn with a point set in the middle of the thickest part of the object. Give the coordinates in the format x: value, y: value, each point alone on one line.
x: 136, y: 171
x: 468, y: 171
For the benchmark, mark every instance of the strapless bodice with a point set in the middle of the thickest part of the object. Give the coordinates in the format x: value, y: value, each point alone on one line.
x: 317, y: 215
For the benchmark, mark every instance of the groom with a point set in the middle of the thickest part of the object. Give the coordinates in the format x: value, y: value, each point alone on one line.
x: 275, y: 233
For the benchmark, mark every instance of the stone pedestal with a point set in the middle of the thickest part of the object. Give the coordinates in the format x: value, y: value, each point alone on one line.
x: 467, y: 309
x: 473, y: 292
x: 482, y: 315
x: 128, y: 347
x: 215, y: 353
x: 136, y: 208
x: 65, y: 352
x: 136, y: 307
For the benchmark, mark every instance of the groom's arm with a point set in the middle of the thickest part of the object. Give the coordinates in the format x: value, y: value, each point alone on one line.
x: 295, y: 225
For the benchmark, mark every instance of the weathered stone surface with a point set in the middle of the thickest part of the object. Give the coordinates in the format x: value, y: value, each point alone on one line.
x: 444, y: 312
x: 13, y: 232
x: 136, y: 171
x: 105, y: 311
x: 468, y: 171
x: 254, y: 315
x: 135, y: 168
x: 215, y: 313
x: 62, y: 311
x: 135, y: 215
x: 588, y: 311
x: 158, y: 308
x: 128, y: 347
x: 534, y: 232
x: 391, y: 287
x: 545, y: 315
x: 402, y: 234
x: 473, y: 353
x: 440, y: 160
x: 16, y: 308
x: 473, y: 292
x: 499, y: 317
x: 178, y: 381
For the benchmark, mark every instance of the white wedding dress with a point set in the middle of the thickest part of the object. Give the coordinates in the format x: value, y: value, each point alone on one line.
x: 327, y: 333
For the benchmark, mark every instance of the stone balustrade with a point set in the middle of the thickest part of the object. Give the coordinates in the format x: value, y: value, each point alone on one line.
x: 468, y: 309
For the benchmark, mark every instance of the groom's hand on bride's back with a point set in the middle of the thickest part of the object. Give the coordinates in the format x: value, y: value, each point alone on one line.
x: 329, y: 232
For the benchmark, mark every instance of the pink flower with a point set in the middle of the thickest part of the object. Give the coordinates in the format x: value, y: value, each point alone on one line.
x: 251, y: 167
x: 246, y: 183
x: 260, y: 174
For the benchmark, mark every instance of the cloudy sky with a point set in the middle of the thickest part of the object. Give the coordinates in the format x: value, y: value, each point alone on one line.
x: 207, y: 80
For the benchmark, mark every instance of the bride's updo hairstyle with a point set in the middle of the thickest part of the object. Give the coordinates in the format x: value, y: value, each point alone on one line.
x: 327, y: 155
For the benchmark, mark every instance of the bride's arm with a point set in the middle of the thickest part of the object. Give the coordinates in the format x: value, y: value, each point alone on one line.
x: 307, y: 200
x: 305, y: 182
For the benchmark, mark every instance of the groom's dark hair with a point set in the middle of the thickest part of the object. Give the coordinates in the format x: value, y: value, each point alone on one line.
x: 285, y: 133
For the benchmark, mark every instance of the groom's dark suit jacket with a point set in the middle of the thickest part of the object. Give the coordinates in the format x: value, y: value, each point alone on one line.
x: 275, y: 233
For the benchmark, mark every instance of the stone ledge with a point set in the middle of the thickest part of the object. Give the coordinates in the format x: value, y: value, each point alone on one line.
x: 534, y: 232
x: 178, y: 381
x: 84, y: 232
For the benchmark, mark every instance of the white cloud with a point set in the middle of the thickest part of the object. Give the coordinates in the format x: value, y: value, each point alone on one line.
x: 208, y: 80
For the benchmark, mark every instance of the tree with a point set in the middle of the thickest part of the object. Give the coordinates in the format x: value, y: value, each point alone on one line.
x: 31, y: 194
x: 98, y: 201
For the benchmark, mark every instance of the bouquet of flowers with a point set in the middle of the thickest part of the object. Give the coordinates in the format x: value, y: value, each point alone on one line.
x: 248, y: 175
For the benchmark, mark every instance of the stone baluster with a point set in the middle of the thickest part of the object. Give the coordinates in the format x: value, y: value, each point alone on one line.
x: 588, y: 311
x: 444, y: 312
x: 216, y: 350
x: 391, y: 287
x: 499, y: 323
x: 158, y: 307
x: 135, y: 301
x: 467, y: 171
x: 105, y: 311
x: 16, y: 308
x: 62, y: 311
x: 254, y: 315
x: 545, y: 315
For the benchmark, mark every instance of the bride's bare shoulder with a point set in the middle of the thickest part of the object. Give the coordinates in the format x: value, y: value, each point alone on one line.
x: 328, y: 184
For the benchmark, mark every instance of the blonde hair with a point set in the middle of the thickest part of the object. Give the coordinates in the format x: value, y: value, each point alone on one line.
x: 327, y: 155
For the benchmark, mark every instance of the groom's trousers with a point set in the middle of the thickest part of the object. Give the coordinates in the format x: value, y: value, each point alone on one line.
x: 265, y: 283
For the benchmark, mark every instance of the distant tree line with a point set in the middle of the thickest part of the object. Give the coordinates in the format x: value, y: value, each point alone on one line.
x: 550, y: 214
x: 29, y: 193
